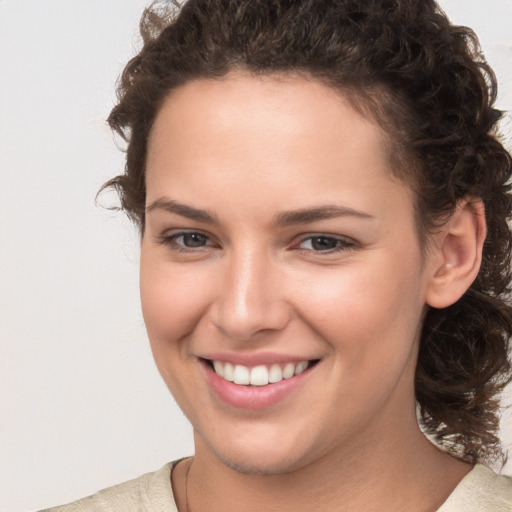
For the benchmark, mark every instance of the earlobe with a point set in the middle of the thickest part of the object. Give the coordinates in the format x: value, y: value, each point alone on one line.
x: 457, y: 253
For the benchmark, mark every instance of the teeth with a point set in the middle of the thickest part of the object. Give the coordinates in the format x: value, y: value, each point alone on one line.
x: 219, y: 368
x: 241, y: 375
x: 258, y: 375
x: 275, y: 374
x: 288, y: 371
x: 301, y: 367
x: 228, y: 371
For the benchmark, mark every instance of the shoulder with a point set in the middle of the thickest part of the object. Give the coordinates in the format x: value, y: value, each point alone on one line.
x: 481, y: 490
x: 147, y: 493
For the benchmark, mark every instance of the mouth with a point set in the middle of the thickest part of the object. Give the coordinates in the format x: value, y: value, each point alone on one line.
x: 260, y: 375
x: 256, y: 381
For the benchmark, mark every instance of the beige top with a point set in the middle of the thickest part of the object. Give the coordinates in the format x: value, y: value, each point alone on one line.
x: 480, y: 490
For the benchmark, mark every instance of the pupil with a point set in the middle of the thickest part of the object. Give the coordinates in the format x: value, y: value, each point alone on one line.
x: 323, y: 243
x: 194, y: 240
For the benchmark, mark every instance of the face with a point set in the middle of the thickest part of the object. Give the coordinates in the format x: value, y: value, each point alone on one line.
x: 282, y: 282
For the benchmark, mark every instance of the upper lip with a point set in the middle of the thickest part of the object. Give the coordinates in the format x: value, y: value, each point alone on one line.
x: 255, y: 358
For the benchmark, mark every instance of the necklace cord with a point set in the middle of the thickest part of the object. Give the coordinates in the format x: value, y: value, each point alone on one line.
x: 187, y: 509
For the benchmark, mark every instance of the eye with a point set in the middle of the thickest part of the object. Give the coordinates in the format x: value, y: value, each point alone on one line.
x: 185, y: 241
x: 191, y: 239
x: 325, y: 243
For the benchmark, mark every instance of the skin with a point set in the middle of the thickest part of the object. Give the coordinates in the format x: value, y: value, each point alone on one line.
x: 247, y: 150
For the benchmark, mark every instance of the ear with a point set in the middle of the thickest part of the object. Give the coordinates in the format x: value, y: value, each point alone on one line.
x: 456, y: 253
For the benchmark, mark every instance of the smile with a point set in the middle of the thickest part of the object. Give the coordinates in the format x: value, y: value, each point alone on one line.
x: 260, y: 375
x: 257, y: 385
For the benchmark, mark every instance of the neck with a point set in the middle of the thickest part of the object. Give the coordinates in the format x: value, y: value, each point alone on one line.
x: 380, y: 472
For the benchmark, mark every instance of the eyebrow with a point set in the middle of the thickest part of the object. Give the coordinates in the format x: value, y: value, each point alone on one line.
x: 304, y: 216
x: 309, y: 215
x: 183, y: 210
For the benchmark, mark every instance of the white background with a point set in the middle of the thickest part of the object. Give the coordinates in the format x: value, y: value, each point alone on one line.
x: 81, y: 405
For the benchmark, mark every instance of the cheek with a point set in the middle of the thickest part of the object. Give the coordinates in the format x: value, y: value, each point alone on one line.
x: 365, y: 311
x: 173, y: 303
x: 173, y: 299
x: 370, y: 322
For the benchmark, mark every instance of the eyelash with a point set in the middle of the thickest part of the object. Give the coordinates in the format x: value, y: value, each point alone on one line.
x: 341, y: 244
x: 170, y: 241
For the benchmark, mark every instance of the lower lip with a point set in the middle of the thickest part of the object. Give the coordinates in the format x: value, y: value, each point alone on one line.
x: 253, y: 397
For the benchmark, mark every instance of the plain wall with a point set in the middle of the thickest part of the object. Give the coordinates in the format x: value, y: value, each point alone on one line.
x: 81, y: 404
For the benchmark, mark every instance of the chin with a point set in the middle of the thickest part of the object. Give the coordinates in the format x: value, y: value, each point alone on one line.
x: 248, y: 465
x: 266, y: 458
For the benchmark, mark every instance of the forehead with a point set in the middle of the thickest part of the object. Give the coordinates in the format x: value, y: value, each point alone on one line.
x: 284, y: 133
x: 260, y: 107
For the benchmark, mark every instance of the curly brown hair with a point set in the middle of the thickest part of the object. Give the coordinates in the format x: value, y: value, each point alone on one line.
x: 427, y: 84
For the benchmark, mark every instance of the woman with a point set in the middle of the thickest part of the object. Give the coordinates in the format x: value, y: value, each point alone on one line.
x: 323, y: 213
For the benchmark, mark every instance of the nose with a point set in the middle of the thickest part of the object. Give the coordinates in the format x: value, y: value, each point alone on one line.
x: 250, y: 300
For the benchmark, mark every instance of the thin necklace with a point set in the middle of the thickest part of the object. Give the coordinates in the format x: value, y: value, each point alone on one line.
x: 186, y: 488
